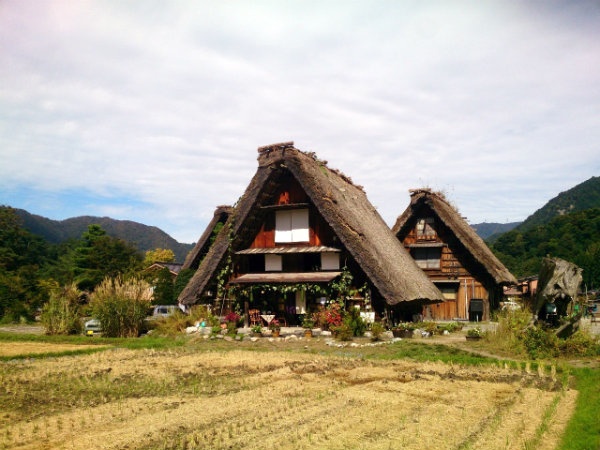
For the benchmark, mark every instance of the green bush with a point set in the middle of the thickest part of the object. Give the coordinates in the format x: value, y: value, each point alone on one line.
x: 429, y: 327
x: 580, y: 343
x: 541, y: 343
x: 377, y: 330
x: 356, y: 323
x: 450, y: 327
x: 121, y: 306
x: 343, y: 332
x: 61, y: 314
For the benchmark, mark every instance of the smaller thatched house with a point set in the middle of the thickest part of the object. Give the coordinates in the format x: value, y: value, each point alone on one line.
x: 453, y: 256
x: 195, y: 256
x: 301, y: 234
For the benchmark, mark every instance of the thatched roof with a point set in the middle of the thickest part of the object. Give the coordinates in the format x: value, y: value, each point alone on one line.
x: 343, y: 205
x: 465, y: 235
x: 192, y: 261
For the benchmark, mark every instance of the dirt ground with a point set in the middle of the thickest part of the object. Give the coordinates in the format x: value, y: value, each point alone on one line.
x: 273, y: 399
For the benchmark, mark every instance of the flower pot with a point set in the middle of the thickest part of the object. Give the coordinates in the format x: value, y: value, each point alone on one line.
x: 473, y: 338
x: 276, y: 333
x: 307, y: 333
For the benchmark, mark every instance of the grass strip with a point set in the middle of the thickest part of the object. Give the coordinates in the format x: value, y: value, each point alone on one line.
x: 583, y: 430
x: 149, y: 342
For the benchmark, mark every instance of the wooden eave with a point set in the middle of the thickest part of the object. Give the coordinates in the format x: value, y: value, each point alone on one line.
x: 285, y: 277
x: 287, y: 250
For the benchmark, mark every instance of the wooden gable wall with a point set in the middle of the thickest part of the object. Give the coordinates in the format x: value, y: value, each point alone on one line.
x: 291, y: 193
x: 451, y: 274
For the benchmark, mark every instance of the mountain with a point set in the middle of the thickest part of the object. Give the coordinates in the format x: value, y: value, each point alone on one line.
x: 485, y: 230
x: 567, y: 227
x: 144, y: 237
x: 579, y: 198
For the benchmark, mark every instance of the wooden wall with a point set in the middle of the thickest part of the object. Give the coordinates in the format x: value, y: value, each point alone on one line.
x: 291, y: 193
x: 451, y: 272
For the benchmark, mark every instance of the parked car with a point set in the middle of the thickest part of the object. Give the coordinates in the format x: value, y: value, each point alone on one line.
x: 510, y: 305
x: 92, y: 327
x: 165, y: 310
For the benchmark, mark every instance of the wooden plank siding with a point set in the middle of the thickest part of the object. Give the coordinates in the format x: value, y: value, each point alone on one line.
x: 291, y: 193
x: 450, y: 274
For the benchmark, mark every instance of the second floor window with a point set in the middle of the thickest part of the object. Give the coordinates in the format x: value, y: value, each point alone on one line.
x: 291, y: 226
x: 427, y: 258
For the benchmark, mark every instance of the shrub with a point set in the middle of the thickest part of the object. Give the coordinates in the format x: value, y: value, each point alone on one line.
x: 450, y: 327
x: 580, y: 343
x: 343, y: 332
x: 61, y: 314
x: 541, y: 343
x: 377, y: 330
x: 355, y: 322
x: 178, y: 322
x: 429, y: 327
x: 329, y: 317
x: 121, y: 306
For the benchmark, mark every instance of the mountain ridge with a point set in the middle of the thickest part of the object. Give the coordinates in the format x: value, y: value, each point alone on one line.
x: 143, y: 237
x: 583, y: 196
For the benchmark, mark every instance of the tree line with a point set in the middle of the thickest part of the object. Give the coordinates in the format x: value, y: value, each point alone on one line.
x: 31, y: 269
x: 574, y: 237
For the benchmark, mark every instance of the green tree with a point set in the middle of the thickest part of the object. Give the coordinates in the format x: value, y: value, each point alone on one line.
x: 98, y: 255
x: 164, y: 255
x: 164, y: 288
x: 22, y: 254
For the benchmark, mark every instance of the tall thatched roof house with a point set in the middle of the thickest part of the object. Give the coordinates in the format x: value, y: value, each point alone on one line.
x: 453, y: 256
x: 300, y: 232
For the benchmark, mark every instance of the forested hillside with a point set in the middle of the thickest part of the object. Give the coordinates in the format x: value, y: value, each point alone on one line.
x: 579, y: 198
x: 574, y: 237
x: 143, y: 237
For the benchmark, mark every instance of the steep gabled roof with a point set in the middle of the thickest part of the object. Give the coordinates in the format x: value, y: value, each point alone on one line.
x: 174, y: 268
x: 192, y: 261
x: 343, y: 205
x: 465, y: 235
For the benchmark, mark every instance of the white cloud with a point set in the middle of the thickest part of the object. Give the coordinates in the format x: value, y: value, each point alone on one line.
x: 154, y: 110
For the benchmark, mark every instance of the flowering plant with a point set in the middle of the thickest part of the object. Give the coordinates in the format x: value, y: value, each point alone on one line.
x: 333, y: 315
x: 274, y: 325
x: 232, y: 317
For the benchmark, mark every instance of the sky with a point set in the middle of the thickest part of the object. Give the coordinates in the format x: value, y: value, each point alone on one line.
x: 153, y: 111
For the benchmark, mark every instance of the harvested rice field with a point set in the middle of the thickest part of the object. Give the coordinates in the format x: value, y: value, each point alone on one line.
x: 33, y: 348
x: 243, y: 399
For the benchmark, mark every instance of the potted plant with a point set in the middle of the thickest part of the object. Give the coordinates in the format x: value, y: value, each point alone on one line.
x: 275, y: 327
x: 308, y: 323
x: 256, y: 330
x: 473, y: 334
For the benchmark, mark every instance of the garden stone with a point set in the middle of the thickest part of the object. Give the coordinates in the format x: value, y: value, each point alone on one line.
x: 190, y: 330
x: 388, y: 335
x: 228, y: 338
